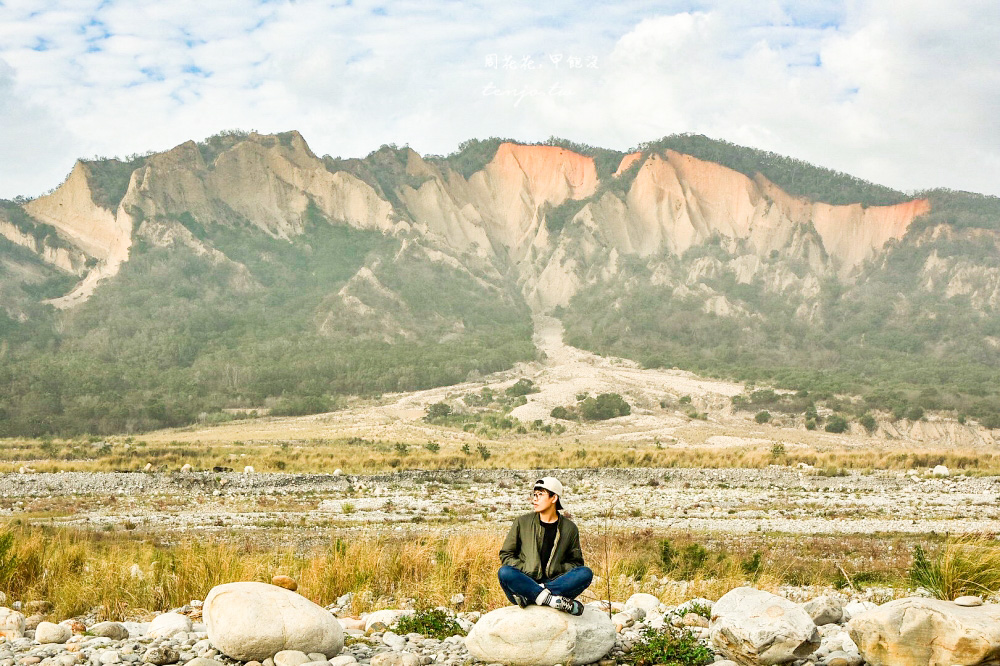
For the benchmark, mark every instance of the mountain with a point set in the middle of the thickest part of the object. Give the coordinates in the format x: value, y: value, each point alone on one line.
x: 246, y: 271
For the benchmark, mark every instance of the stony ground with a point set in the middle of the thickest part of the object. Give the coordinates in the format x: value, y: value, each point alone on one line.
x: 797, y: 500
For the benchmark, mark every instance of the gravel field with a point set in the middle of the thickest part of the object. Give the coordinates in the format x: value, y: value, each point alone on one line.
x: 776, y: 499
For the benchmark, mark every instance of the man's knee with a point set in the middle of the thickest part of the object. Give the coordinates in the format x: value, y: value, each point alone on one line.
x: 585, y: 573
x: 506, y: 573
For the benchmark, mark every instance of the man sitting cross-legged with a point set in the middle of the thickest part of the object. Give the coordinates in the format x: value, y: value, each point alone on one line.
x: 542, y: 559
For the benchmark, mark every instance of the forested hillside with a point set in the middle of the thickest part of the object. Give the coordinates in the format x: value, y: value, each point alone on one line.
x: 245, y: 272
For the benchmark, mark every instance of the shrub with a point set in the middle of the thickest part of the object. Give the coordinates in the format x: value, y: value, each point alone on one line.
x: 778, y: 450
x: 603, y: 407
x: 562, y: 413
x: 762, y: 416
x: 868, y: 421
x: 429, y: 623
x: 484, y: 452
x: 521, y: 387
x: 915, y: 413
x: 432, y: 446
x: 438, y: 410
x: 836, y: 424
x: 671, y: 647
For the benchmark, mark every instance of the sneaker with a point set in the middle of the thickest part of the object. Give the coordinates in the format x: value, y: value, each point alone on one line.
x: 520, y: 601
x: 571, y: 606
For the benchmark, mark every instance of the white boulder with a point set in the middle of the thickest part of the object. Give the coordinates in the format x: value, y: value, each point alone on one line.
x: 940, y: 470
x: 388, y: 617
x: 755, y: 627
x: 254, y: 621
x: 541, y: 636
x: 47, y: 632
x: 395, y: 659
x: 646, y: 602
x: 11, y: 624
x: 166, y: 625
x: 912, y: 631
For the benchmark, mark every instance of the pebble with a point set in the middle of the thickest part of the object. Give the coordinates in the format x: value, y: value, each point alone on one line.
x: 969, y: 601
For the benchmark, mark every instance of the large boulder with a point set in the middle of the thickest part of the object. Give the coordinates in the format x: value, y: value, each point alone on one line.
x: 754, y: 627
x: 47, y: 632
x: 824, y: 610
x: 928, y: 632
x: 11, y: 624
x: 166, y: 625
x: 255, y: 621
x: 541, y: 636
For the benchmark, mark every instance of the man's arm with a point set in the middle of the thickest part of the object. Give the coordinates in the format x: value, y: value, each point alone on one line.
x: 574, y: 556
x: 510, y: 552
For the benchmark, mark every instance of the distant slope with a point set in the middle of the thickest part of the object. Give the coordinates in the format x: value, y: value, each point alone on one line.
x: 246, y: 271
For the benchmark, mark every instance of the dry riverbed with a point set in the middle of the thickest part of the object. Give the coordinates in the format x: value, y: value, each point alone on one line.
x: 731, y: 501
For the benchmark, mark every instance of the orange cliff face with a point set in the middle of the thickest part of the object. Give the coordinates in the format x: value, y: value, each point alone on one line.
x: 680, y: 201
x: 512, y: 189
x: 627, y: 163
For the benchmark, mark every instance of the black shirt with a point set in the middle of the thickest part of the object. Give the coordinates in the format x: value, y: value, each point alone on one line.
x: 548, y: 540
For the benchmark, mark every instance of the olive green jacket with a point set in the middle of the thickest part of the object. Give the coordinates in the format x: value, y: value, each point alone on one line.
x: 523, y: 545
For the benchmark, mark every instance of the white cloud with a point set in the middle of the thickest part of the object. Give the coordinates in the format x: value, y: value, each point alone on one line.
x: 901, y: 94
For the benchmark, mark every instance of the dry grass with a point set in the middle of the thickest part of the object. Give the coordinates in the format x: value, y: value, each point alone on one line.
x: 362, y: 456
x: 80, y: 571
x: 966, y: 565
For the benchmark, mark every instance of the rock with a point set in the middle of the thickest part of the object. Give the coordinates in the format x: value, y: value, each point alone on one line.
x: 541, y: 636
x: 166, y: 625
x: 698, y: 605
x: 256, y: 620
x: 725, y: 662
x: 395, y: 641
x: 286, y: 582
x: 395, y: 659
x: 646, y: 602
x: 927, y: 631
x: 186, y: 467
x: 161, y: 655
x: 109, y: 657
x: 342, y: 660
x: 75, y: 626
x: 338, y: 472
x: 291, y: 658
x: 855, y: 608
x: 249, y: 469
x: 148, y: 467
x: 457, y: 599
x: 11, y: 624
x: 351, y: 623
x: 33, y: 621
x: 841, y: 658
x: 317, y: 656
x: 116, y: 631
x: 201, y: 661
x: 824, y: 610
x: 39, y: 607
x: 694, y: 620
x: 47, y: 632
x: 940, y: 470
x: 755, y: 627
x: 969, y: 601
x: 387, y: 617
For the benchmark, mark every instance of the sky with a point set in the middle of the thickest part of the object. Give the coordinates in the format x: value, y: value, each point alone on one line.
x: 904, y: 93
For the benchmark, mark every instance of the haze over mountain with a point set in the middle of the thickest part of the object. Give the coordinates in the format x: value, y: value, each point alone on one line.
x: 246, y: 271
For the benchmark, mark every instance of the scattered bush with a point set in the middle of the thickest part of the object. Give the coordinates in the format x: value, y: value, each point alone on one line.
x: 603, y: 407
x: 429, y: 623
x: 868, y: 421
x: 762, y: 416
x: 670, y: 647
x: 521, y: 387
x: 836, y: 424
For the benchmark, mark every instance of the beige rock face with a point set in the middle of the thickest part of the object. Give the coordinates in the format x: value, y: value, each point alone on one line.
x: 928, y: 632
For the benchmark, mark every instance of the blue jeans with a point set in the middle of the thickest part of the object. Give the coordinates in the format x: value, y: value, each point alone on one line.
x: 569, y: 585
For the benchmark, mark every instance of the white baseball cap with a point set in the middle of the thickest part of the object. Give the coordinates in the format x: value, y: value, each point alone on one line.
x: 551, y: 484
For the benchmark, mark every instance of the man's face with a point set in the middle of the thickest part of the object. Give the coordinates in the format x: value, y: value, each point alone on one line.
x: 541, y: 500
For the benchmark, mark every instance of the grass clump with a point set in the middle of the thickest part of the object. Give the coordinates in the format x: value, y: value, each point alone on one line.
x: 669, y: 647
x: 434, y: 623
x: 968, y: 565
